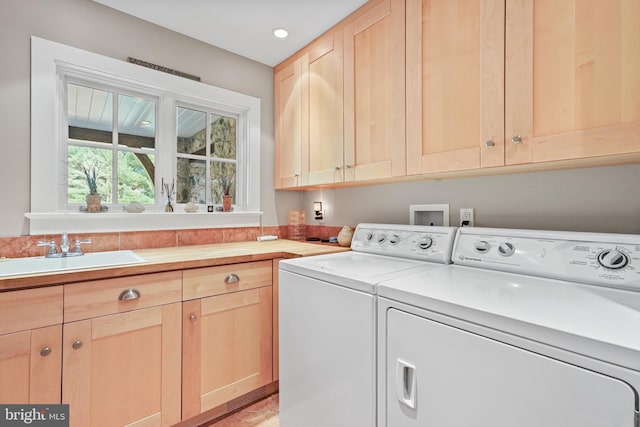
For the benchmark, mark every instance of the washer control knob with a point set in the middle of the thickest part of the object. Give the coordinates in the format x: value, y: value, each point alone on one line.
x: 381, y: 238
x: 425, y: 242
x: 368, y: 237
x: 613, y: 259
x: 394, y: 240
x: 506, y: 248
x: 482, y: 246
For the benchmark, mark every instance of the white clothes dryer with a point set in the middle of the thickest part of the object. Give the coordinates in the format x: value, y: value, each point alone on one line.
x: 327, y: 323
x: 526, y: 329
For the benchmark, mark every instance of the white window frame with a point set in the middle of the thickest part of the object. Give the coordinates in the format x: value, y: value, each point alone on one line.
x: 50, y: 63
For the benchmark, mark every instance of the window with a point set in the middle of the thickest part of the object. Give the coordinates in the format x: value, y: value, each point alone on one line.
x: 122, y: 151
x: 141, y: 127
x: 206, y: 156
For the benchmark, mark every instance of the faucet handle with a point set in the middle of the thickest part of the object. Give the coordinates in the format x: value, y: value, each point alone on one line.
x: 76, y: 247
x: 51, y: 244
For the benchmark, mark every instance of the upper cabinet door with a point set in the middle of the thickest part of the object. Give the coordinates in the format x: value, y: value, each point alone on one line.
x: 455, y: 85
x: 572, y: 79
x: 374, y: 92
x: 323, y: 71
x: 288, y: 88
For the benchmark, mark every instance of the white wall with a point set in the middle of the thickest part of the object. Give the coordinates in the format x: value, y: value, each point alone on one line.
x: 603, y: 199
x: 97, y: 28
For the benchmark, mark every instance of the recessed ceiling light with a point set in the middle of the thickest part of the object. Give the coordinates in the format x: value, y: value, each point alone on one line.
x: 280, y: 33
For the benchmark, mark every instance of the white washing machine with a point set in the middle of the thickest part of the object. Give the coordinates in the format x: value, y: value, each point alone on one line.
x: 526, y: 329
x: 327, y: 335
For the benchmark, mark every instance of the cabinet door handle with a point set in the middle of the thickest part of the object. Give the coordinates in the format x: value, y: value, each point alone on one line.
x: 129, y: 294
x: 406, y: 383
x: 490, y: 143
x: 45, y: 351
x: 516, y: 139
x: 232, y: 278
x: 77, y: 345
x: 193, y: 317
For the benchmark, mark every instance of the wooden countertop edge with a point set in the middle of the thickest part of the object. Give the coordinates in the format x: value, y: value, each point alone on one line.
x: 157, y: 262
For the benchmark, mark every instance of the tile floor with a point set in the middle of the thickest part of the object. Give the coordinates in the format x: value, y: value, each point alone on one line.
x: 263, y: 413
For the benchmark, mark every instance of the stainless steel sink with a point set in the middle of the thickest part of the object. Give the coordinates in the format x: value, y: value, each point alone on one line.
x: 34, y: 265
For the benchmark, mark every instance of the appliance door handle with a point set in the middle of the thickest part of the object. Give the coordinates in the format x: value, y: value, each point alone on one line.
x: 406, y: 383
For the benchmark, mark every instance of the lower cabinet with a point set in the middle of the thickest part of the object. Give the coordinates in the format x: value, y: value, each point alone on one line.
x: 123, y: 369
x: 30, y: 346
x: 226, y: 338
x: 30, y: 366
x: 147, y: 350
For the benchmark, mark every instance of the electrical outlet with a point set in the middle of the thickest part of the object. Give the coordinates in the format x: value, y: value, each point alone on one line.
x: 466, y: 217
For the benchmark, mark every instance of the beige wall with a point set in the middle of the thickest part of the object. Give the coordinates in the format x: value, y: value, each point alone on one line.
x: 97, y: 28
x: 596, y: 199
x: 603, y: 199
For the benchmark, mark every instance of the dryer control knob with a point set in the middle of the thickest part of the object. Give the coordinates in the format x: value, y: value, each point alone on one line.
x: 613, y: 259
x: 482, y: 246
x: 394, y: 240
x: 506, y: 248
x: 425, y: 242
x: 381, y: 238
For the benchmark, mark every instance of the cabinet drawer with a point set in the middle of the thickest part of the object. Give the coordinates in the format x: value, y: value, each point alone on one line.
x: 204, y: 282
x: 30, y: 308
x: 101, y: 297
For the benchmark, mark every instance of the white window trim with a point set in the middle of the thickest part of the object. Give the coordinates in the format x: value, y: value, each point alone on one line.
x: 46, y: 137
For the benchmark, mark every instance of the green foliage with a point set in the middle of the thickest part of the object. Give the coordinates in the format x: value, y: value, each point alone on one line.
x: 91, y: 174
x: 134, y: 183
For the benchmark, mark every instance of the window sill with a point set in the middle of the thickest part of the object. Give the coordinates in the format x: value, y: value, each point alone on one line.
x: 82, y: 222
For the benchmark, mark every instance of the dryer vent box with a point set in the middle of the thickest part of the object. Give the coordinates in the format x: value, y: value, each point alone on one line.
x: 429, y: 215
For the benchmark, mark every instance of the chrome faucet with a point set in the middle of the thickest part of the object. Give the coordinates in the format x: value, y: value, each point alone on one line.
x: 64, y: 247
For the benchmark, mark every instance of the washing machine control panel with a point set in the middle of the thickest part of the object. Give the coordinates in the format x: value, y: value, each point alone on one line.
x: 593, y: 258
x: 405, y: 241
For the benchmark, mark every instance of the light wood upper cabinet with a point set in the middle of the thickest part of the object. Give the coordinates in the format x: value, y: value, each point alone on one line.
x: 455, y: 85
x: 374, y: 91
x: 31, y: 346
x: 288, y: 94
x: 322, y: 70
x: 123, y: 369
x: 572, y: 79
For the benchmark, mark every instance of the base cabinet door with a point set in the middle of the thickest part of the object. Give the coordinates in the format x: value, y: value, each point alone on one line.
x: 124, y: 369
x: 30, y: 366
x: 30, y: 345
x: 227, y: 341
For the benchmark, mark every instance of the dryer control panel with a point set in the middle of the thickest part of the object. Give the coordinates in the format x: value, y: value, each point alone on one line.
x: 594, y: 258
x: 426, y: 243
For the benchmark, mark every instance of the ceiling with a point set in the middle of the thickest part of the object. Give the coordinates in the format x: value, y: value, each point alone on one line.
x: 243, y: 26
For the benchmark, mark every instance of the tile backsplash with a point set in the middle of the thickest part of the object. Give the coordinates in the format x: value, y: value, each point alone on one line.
x: 27, y: 246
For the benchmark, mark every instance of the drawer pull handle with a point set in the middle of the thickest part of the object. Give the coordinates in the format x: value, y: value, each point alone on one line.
x: 193, y: 317
x: 129, y: 294
x: 45, y: 351
x: 232, y: 278
x: 77, y: 345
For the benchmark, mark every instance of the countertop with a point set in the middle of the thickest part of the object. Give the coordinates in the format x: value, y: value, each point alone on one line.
x: 177, y: 258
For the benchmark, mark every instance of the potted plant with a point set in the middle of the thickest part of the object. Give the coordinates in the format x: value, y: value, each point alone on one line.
x: 226, y: 181
x: 93, y: 198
